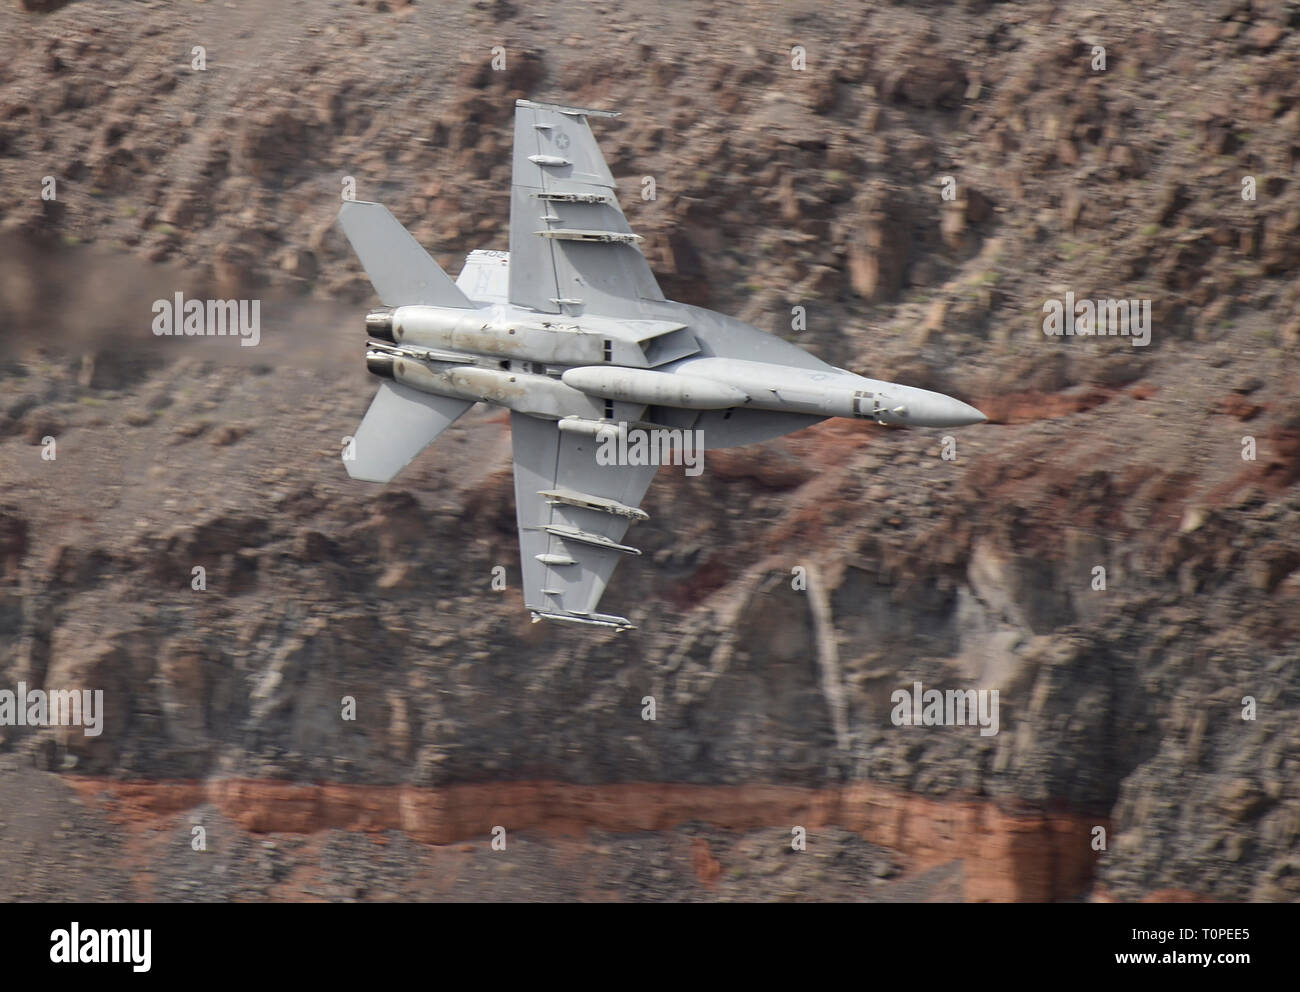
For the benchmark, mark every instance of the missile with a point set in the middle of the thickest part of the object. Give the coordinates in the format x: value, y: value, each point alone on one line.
x: 591, y: 428
x: 654, y: 388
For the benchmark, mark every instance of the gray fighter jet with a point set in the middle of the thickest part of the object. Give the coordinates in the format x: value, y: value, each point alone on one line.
x: 570, y: 332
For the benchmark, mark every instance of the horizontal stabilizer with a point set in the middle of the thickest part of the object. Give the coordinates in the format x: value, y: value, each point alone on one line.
x: 401, y: 271
x: 400, y: 423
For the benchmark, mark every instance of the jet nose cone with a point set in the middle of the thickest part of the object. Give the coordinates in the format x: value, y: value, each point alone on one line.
x: 963, y: 415
x: 922, y: 408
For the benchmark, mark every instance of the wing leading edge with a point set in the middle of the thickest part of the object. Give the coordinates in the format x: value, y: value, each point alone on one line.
x: 572, y: 514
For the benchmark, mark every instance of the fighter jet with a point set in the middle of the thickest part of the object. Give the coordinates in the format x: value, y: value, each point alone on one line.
x: 569, y: 331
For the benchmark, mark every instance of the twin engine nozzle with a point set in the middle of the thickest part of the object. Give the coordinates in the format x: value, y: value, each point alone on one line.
x: 379, y: 325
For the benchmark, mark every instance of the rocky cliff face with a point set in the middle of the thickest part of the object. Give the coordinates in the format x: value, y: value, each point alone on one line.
x: 786, y: 593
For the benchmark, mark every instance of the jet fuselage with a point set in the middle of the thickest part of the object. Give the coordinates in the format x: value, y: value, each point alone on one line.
x: 563, y: 366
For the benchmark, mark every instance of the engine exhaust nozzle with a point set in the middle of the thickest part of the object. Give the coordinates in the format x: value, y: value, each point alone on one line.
x: 380, y: 363
x: 379, y: 324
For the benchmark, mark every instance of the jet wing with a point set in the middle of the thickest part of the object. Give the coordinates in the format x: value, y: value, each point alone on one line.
x: 572, y: 513
x: 571, y: 250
